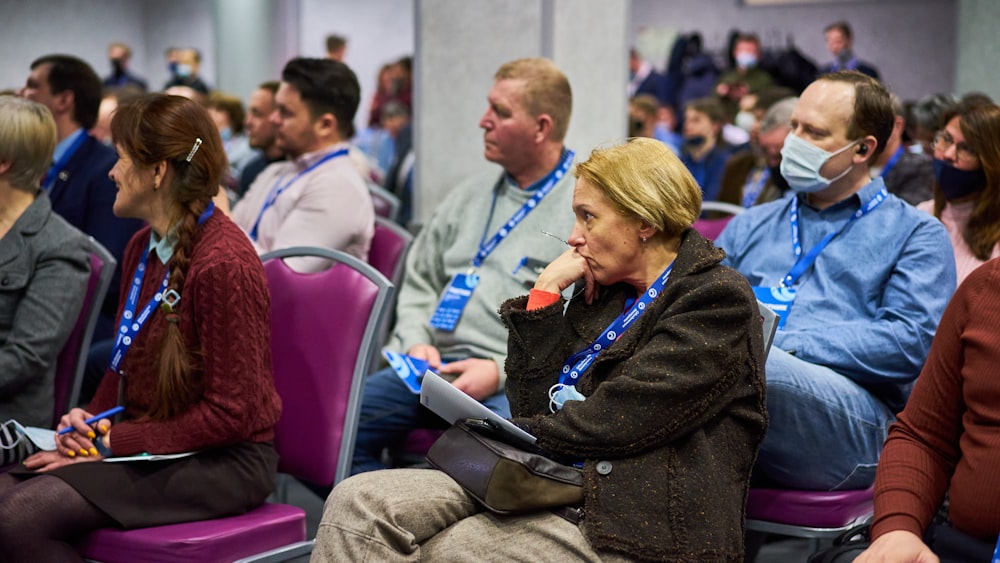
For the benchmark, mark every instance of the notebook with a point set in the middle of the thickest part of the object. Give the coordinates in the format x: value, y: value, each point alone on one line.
x: 451, y: 404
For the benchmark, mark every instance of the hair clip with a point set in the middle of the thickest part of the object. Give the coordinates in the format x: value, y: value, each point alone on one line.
x: 194, y: 149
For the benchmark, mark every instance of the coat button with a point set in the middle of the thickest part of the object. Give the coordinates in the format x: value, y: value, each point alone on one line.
x: 604, y: 467
x: 5, y: 281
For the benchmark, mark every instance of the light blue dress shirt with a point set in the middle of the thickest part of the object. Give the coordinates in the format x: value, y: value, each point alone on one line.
x: 869, y: 305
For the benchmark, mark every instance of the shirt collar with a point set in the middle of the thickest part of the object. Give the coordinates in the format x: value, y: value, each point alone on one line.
x: 65, y: 144
x: 310, y: 158
x: 855, y: 200
x: 530, y: 189
x: 163, y: 247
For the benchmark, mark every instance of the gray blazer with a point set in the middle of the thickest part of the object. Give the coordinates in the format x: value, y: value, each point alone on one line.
x: 44, y: 269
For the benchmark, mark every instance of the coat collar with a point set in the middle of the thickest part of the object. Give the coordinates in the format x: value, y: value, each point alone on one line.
x: 694, y: 255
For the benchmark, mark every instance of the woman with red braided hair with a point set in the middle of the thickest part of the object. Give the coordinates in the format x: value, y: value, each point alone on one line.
x: 191, y: 364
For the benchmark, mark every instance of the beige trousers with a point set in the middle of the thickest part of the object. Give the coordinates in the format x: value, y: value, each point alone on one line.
x: 423, y: 515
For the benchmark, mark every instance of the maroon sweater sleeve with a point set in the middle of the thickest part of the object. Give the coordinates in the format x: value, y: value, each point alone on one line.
x: 944, y: 438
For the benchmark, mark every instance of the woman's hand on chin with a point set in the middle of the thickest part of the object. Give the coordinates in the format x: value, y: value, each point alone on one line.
x: 566, y: 270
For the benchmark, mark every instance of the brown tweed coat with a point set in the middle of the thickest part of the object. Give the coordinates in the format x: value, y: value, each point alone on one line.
x: 674, y: 411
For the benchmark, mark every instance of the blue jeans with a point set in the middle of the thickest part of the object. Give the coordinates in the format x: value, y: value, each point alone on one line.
x: 389, y: 411
x: 825, y: 432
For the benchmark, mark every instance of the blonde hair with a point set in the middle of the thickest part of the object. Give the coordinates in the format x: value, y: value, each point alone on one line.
x: 546, y: 90
x: 27, y: 141
x: 645, y: 179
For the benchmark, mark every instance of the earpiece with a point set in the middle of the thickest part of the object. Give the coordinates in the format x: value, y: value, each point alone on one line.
x: 863, y: 149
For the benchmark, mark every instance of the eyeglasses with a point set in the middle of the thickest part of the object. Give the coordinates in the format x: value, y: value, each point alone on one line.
x: 944, y: 141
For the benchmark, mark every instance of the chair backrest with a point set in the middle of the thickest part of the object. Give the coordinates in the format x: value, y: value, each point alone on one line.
x: 72, y: 359
x: 323, y: 326
x: 770, y: 324
x: 711, y: 227
x: 722, y: 207
x: 386, y: 203
x: 388, y: 255
x: 388, y: 250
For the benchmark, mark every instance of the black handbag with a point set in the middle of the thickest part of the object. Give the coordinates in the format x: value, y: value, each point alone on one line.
x: 504, y: 478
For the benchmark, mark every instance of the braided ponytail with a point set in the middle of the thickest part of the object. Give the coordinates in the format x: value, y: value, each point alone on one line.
x: 179, y: 382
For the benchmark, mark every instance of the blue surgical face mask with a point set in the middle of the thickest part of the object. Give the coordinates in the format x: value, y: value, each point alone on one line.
x: 226, y: 133
x: 746, y: 60
x: 184, y: 70
x: 956, y: 183
x: 801, y: 162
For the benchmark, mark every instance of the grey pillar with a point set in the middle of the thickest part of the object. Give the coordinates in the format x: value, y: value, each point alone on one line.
x: 252, y: 42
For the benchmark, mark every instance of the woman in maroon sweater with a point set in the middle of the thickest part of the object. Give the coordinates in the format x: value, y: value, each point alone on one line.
x: 946, y: 440
x: 191, y: 367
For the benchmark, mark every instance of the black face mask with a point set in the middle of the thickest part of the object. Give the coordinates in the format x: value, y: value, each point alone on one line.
x: 778, y: 179
x: 118, y: 67
x: 955, y: 183
x: 695, y: 142
x: 635, y: 127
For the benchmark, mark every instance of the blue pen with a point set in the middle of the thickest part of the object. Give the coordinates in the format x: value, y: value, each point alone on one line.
x: 110, y: 412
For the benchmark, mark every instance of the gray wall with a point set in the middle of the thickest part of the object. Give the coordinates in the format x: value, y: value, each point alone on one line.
x: 85, y: 27
x: 911, y: 42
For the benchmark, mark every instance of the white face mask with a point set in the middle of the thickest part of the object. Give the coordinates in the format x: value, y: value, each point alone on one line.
x: 745, y: 120
x: 801, y: 162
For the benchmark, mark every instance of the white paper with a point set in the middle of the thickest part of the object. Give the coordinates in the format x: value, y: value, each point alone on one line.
x: 148, y: 457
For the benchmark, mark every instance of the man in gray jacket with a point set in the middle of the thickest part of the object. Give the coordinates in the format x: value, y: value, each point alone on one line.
x: 484, y: 244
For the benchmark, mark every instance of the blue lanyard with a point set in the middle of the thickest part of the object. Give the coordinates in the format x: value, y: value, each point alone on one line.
x: 280, y: 188
x: 581, y: 361
x: 129, y: 327
x: 547, y: 184
x: 57, y: 167
x: 892, y: 162
x: 804, y: 262
x: 750, y: 195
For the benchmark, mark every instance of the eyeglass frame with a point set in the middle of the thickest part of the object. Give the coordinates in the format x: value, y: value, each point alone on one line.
x: 944, y: 141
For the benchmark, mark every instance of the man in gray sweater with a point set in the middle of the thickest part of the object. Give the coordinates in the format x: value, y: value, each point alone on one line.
x: 483, y: 245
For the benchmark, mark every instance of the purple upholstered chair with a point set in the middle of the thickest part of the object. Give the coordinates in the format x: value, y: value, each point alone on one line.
x: 386, y: 203
x: 711, y: 227
x: 815, y: 515
x: 72, y: 359
x: 388, y: 254
x: 322, y: 328
x: 388, y: 250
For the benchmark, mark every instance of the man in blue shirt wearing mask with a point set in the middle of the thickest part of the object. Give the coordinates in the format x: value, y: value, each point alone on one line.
x: 859, y: 278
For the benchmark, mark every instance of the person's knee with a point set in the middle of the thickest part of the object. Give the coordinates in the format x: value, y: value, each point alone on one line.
x: 352, y: 493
